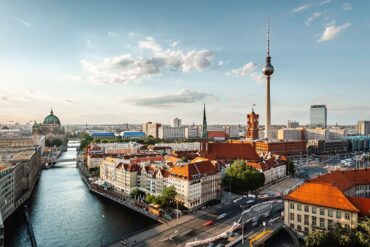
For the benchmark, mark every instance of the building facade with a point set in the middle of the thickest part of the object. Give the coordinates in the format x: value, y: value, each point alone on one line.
x: 151, y: 129
x: 318, y: 116
x: 252, y: 122
x: 176, y: 122
x: 363, y: 128
x: 339, y: 198
x: 167, y: 133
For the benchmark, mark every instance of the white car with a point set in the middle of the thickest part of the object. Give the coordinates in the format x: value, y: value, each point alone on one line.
x: 221, y: 216
x: 250, y: 201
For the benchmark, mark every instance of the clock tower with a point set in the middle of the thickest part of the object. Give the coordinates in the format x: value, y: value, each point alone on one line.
x: 252, y: 130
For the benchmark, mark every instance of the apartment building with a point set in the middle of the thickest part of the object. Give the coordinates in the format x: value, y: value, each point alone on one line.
x: 337, y: 198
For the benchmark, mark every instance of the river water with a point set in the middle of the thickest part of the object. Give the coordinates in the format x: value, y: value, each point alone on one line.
x: 64, y: 212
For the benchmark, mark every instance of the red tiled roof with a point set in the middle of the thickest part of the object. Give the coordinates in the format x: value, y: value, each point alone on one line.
x: 187, y: 171
x: 363, y: 204
x: 231, y: 151
x: 345, y: 180
x: 321, y: 194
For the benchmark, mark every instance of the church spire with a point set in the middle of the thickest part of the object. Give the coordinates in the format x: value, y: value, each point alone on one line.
x: 51, y: 112
x: 204, y: 129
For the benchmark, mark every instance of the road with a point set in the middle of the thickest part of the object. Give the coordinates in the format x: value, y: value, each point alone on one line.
x: 194, y: 230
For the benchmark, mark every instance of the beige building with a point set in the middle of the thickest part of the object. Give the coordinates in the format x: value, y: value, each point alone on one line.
x: 167, y: 132
x: 291, y: 134
x: 121, y: 176
x: 151, y: 129
x: 338, y: 198
x: 6, y: 190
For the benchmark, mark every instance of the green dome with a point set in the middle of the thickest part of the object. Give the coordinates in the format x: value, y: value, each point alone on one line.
x: 51, y: 119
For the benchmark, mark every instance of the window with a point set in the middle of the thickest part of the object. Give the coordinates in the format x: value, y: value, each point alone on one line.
x: 339, y: 214
x: 330, y: 224
x: 313, y: 221
x: 306, y: 209
x: 291, y: 216
x: 292, y: 226
x: 299, y: 228
x: 346, y: 227
x: 330, y: 213
x: 299, y: 218
x: 306, y: 229
x: 347, y: 216
x: 322, y: 212
x: 322, y: 223
x: 299, y: 207
x: 306, y: 219
x: 291, y: 205
x: 313, y: 210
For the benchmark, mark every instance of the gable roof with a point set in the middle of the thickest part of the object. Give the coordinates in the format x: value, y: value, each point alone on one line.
x: 363, y: 204
x: 321, y: 194
x: 188, y: 171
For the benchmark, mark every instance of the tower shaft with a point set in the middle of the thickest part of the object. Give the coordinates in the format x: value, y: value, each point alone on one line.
x: 268, y: 109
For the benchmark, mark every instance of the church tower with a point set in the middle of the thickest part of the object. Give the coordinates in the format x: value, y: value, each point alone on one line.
x: 252, y: 130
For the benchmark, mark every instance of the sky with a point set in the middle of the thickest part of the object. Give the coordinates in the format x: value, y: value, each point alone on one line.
x: 136, y: 61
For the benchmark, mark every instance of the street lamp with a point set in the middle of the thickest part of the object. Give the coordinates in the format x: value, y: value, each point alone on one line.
x: 242, y: 206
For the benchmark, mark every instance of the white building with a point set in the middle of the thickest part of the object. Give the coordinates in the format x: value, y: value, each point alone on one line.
x: 166, y: 132
x: 272, y: 169
x: 336, y: 133
x: 176, y: 122
x: 363, y: 128
x: 192, y: 132
x: 317, y: 134
x: 291, y: 134
x: 182, y: 146
x: 6, y: 190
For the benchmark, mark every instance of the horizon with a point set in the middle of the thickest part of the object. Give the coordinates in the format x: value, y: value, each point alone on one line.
x: 123, y: 62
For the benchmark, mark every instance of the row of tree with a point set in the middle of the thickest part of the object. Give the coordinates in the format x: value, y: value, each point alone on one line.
x: 340, y: 237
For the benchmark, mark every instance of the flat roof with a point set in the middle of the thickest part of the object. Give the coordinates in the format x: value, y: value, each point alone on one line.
x: 24, y: 155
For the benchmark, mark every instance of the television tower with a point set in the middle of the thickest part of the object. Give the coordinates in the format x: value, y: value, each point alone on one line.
x: 268, y: 70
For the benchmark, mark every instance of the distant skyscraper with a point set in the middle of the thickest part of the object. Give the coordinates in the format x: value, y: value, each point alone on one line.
x: 252, y: 131
x: 363, y: 127
x: 318, y: 116
x: 204, y: 128
x: 176, y: 122
x: 268, y: 70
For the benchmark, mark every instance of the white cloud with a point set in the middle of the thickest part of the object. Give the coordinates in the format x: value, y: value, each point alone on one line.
x: 313, y: 17
x: 248, y: 69
x: 132, y: 34
x: 347, y: 7
x: 245, y: 70
x: 23, y: 22
x: 332, y: 31
x: 183, y: 96
x: 127, y: 68
x: 324, y: 2
x: 174, y: 43
x: 302, y: 7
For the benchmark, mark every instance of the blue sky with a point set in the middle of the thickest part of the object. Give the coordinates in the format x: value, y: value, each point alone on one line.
x: 136, y: 61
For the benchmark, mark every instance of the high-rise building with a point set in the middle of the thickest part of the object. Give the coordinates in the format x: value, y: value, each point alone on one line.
x: 176, y: 122
x: 318, y: 116
x: 363, y: 127
x: 268, y: 70
x: 292, y: 124
x: 252, y: 131
x: 151, y: 129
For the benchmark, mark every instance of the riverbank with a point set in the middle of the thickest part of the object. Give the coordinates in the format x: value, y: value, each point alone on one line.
x: 64, y: 212
x: 120, y: 198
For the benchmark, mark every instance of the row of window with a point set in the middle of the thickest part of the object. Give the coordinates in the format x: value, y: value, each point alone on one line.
x: 330, y: 212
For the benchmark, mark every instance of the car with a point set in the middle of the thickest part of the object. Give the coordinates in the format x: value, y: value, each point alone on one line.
x: 250, y: 201
x: 208, y: 223
x: 256, y: 223
x: 233, y: 236
x: 221, y: 216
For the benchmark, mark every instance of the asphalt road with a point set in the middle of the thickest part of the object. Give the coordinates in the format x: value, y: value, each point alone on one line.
x: 195, y: 230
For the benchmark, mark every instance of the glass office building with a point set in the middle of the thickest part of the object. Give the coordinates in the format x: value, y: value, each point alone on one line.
x: 318, y: 116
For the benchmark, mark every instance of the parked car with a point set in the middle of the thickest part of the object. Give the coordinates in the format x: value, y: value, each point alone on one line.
x: 221, y: 216
x: 208, y: 223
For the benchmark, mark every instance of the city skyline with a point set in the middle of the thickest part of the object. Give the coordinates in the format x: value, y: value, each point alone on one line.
x: 129, y: 62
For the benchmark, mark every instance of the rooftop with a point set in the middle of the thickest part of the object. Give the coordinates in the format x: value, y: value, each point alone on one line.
x: 321, y: 194
x: 24, y: 155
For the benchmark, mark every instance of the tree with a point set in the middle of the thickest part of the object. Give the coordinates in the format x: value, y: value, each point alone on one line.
x: 290, y: 167
x: 340, y: 237
x: 243, y: 178
x: 137, y: 193
x: 168, y: 196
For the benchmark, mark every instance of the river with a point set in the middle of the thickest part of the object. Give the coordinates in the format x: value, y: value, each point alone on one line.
x: 63, y: 212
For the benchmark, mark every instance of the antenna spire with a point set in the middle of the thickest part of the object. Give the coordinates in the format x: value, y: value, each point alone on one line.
x: 268, y: 36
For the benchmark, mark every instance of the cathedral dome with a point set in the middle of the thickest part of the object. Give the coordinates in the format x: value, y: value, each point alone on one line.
x: 51, y: 119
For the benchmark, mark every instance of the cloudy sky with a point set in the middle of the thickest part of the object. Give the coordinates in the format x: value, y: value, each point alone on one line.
x: 135, y: 61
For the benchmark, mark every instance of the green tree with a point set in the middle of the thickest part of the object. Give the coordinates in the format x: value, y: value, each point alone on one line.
x: 290, y: 167
x: 86, y: 140
x: 340, y: 237
x: 243, y: 178
x: 168, y: 196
